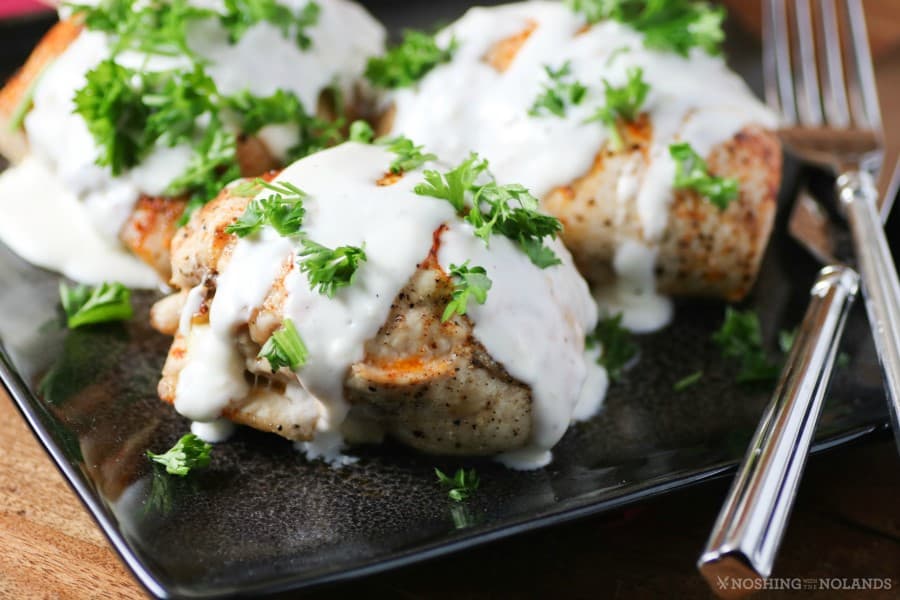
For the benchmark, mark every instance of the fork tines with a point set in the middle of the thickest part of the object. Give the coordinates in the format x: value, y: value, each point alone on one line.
x: 818, y: 65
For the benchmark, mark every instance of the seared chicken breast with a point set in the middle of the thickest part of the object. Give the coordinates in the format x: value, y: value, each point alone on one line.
x: 393, y: 360
x: 136, y: 134
x: 588, y: 117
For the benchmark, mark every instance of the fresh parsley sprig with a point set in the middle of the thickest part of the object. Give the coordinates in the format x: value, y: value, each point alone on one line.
x: 283, y: 210
x: 409, y: 156
x: 468, y: 282
x: 111, y: 104
x: 740, y: 337
x: 673, y: 25
x: 212, y: 166
x: 617, y: 346
x: 84, y: 305
x: 330, y: 269
x: 461, y: 486
x: 562, y: 91
x: 285, y: 348
x: 362, y: 132
x: 409, y: 61
x: 687, y: 381
x: 691, y: 172
x: 507, y: 210
x: 241, y: 15
x: 622, y: 102
x: 152, y: 27
x: 190, y: 452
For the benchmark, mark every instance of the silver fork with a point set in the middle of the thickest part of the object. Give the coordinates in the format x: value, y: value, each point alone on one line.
x: 837, y: 124
x: 750, y: 527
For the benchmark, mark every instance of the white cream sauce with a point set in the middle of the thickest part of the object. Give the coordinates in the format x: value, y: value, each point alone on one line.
x: 263, y: 60
x: 467, y: 105
x: 534, y: 321
x: 44, y: 223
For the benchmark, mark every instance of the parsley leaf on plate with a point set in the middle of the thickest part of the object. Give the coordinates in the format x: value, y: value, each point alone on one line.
x: 616, y: 344
x: 285, y: 348
x: 461, y: 486
x: 468, y: 282
x: 691, y: 172
x: 190, y: 452
x: 740, y: 337
x: 409, y: 61
x: 84, y: 305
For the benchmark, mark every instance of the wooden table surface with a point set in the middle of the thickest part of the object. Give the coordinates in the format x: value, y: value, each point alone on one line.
x: 846, y: 524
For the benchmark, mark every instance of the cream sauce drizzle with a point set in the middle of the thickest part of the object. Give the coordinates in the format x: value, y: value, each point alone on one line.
x: 468, y: 105
x: 44, y: 223
x: 534, y: 321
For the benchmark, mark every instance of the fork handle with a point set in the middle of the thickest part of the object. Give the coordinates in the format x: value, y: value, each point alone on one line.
x: 881, y: 288
x: 748, y: 531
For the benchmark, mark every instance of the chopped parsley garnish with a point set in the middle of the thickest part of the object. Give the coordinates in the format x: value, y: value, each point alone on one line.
x: 112, y: 108
x: 560, y: 93
x: 740, y: 337
x: 258, y: 111
x: 674, y: 25
x: 453, y: 185
x: 409, y: 156
x: 362, y: 132
x: 468, y: 282
x: 329, y: 270
x: 213, y: 166
x: 616, y: 345
x: 688, y: 381
x: 285, y: 348
x: 241, y: 15
x: 84, y: 305
x: 461, y: 486
x: 174, y: 101
x: 282, y: 210
x: 190, y: 452
x: 153, y: 27
x: 409, y: 61
x: 622, y: 102
x: 129, y: 111
x: 691, y: 172
x: 507, y: 210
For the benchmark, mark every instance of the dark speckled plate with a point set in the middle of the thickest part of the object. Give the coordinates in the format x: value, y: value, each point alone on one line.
x: 261, y: 518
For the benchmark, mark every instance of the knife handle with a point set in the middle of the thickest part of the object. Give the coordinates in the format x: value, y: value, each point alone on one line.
x: 749, y: 529
x: 881, y: 288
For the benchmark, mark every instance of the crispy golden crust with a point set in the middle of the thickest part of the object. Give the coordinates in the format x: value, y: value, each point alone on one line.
x: 704, y: 251
x: 427, y: 383
x: 13, y: 144
x: 503, y: 53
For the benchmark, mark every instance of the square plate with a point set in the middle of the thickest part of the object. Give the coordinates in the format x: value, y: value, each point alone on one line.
x: 263, y: 519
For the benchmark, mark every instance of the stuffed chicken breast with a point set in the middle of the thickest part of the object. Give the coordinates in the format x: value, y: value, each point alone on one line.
x: 355, y: 295
x: 128, y: 114
x: 657, y: 159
